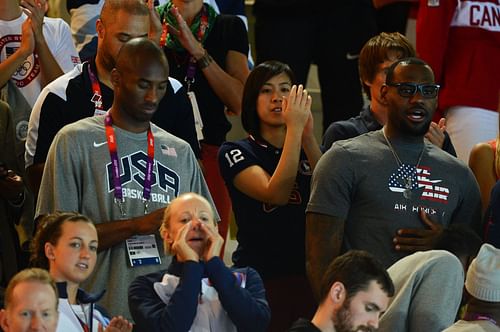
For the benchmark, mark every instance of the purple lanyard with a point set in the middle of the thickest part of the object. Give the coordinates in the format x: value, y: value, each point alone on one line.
x: 191, y: 69
x: 474, y: 316
x: 115, y: 164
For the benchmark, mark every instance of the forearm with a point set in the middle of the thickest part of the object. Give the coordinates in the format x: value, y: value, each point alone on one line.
x: 283, y: 179
x: 227, y: 82
x: 245, y: 306
x: 324, y: 236
x: 34, y: 178
x: 112, y: 233
x: 50, y: 69
x: 9, y: 66
x: 312, y: 150
x: 227, y: 88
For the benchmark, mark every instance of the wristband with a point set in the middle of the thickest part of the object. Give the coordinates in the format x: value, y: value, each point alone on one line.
x: 204, y: 61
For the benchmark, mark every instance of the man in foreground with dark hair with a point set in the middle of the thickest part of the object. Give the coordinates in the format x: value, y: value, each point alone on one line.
x: 354, y: 292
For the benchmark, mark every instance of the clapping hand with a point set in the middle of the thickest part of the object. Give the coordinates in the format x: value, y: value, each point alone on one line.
x: 435, y: 134
x: 117, y: 324
x: 35, y: 9
x: 11, y: 184
x: 185, y: 36
x: 297, y: 109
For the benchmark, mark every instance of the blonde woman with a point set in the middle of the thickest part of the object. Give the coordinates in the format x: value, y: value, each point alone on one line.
x: 197, y: 292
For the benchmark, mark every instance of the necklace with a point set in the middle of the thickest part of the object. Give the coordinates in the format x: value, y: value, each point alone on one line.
x: 83, y: 323
x: 408, y: 180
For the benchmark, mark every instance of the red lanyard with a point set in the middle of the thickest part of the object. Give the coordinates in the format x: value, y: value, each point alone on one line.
x: 115, y: 164
x: 97, y: 96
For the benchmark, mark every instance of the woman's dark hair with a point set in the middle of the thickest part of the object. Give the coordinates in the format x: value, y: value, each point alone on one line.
x: 50, y: 230
x: 259, y: 75
x: 356, y: 269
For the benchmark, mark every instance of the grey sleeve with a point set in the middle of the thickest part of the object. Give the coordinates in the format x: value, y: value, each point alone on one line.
x: 469, y: 209
x: 59, y: 189
x: 332, y: 183
x: 424, y: 300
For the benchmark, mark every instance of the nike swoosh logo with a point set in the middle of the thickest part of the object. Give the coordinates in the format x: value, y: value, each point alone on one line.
x: 96, y: 145
x: 350, y: 56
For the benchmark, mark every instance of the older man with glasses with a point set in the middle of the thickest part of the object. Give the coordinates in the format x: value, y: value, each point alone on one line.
x: 389, y: 192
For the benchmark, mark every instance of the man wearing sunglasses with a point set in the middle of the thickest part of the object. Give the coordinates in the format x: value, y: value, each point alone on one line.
x: 376, y: 56
x: 389, y: 192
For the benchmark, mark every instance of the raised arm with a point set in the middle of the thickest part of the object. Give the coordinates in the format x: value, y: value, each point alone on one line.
x: 112, y: 233
x: 9, y: 66
x: 310, y: 144
x: 324, y: 236
x: 254, y: 181
x: 49, y: 67
x: 227, y: 82
x: 482, y: 164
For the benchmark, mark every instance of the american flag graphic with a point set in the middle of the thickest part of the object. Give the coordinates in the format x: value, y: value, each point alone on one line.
x: 420, y: 178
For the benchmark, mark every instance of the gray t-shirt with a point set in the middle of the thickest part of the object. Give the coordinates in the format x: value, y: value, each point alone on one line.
x: 359, y: 181
x: 77, y: 177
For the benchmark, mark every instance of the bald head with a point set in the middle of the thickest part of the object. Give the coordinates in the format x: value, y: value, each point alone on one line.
x: 139, y: 52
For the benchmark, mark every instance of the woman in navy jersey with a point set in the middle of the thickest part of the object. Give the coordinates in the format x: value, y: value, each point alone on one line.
x: 268, y: 176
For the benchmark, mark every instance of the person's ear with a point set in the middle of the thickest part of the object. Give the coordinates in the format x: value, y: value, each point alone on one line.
x: 337, y: 292
x: 383, y: 94
x: 165, y: 234
x: 99, y: 27
x: 49, y: 251
x: 4, y: 323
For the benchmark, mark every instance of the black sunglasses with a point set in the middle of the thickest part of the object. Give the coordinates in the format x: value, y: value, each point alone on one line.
x: 410, y: 89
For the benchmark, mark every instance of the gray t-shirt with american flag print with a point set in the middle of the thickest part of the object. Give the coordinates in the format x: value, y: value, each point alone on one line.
x: 360, y: 181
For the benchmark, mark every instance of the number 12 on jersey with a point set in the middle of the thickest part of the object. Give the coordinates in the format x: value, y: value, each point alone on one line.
x: 233, y: 157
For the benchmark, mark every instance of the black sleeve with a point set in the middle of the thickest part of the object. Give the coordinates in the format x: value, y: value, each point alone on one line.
x: 247, y: 307
x: 238, y: 38
x: 175, y: 115
x: 50, y: 122
x: 448, y: 145
x: 151, y: 314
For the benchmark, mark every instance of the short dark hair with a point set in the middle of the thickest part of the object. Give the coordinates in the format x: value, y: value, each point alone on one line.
x: 376, y: 51
x: 259, y: 75
x: 132, y: 7
x: 49, y: 230
x: 404, y: 61
x: 355, y: 269
x: 138, y: 51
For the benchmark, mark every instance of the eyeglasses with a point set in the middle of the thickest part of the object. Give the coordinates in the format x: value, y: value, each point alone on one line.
x: 410, y: 89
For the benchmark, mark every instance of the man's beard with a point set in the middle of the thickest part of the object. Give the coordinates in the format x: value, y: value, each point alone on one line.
x: 107, y: 60
x: 342, y: 321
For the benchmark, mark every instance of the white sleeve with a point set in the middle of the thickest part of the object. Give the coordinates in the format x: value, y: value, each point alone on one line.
x: 58, y: 36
